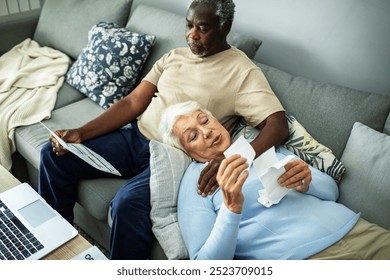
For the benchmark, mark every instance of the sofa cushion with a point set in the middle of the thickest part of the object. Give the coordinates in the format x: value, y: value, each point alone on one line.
x: 327, y: 111
x: 108, y: 67
x: 248, y: 44
x: 167, y: 166
x: 365, y: 186
x: 30, y: 139
x: 95, y: 196
x: 64, y: 25
x: 386, y: 129
x: 301, y: 143
x: 67, y: 95
x: 169, y: 27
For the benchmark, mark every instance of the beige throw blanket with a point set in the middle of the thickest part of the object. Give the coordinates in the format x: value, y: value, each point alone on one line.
x: 30, y: 77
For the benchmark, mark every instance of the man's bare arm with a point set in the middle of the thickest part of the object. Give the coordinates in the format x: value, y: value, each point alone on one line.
x: 273, y: 132
x: 120, y: 113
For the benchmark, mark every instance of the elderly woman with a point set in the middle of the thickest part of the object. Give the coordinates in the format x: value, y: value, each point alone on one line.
x: 232, y: 224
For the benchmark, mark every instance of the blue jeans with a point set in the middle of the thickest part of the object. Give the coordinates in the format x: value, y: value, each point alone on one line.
x: 128, y: 151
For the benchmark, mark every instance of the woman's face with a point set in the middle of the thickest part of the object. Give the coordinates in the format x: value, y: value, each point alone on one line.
x: 201, y: 135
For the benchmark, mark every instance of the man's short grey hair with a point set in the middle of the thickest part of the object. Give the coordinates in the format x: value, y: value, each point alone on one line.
x: 170, y: 116
x: 224, y: 10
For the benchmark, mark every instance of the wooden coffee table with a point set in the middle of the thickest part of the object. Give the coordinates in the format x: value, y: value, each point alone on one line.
x: 67, y: 251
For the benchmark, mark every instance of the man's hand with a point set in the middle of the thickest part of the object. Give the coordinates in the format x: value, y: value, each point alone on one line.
x: 207, y: 183
x: 297, y: 175
x: 69, y: 136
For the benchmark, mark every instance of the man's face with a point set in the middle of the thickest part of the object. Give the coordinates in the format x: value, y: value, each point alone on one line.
x: 202, y: 136
x: 204, y: 35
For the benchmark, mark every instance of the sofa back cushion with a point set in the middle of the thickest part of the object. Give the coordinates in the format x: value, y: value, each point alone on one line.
x: 387, y: 125
x: 64, y: 25
x: 167, y: 26
x: 327, y: 111
x: 365, y: 186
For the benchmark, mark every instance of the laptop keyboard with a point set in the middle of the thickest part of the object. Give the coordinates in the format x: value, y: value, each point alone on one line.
x: 16, y: 241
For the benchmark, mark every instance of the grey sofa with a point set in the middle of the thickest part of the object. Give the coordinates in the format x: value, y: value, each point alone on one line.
x: 354, y: 124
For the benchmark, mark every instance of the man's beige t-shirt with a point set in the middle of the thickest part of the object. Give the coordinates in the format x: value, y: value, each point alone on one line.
x: 228, y: 84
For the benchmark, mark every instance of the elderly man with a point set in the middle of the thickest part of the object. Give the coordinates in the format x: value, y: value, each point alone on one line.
x: 180, y: 75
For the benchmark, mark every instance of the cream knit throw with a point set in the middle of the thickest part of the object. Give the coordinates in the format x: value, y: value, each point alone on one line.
x: 30, y: 77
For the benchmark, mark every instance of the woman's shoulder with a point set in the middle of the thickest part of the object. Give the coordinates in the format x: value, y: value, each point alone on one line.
x: 194, y: 170
x: 188, y: 190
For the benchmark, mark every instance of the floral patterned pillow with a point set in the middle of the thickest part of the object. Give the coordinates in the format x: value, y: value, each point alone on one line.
x: 108, y: 67
x: 302, y: 144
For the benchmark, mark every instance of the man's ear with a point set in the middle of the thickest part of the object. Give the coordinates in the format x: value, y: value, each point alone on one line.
x: 227, y: 27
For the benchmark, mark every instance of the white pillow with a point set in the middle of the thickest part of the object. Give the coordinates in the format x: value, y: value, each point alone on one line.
x: 167, y: 166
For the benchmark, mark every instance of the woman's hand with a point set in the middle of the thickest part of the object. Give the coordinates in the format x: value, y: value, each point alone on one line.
x: 231, y: 177
x: 68, y: 135
x: 297, y: 175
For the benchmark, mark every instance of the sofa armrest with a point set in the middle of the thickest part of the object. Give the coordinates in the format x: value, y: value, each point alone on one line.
x: 15, y: 28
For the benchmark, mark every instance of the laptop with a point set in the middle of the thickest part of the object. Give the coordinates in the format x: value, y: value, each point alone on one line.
x: 29, y: 227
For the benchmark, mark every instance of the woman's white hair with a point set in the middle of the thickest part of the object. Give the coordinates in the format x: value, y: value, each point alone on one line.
x: 170, y: 116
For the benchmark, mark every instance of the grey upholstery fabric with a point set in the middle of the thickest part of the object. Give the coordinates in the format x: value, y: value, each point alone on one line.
x: 15, y: 28
x: 365, y: 186
x: 67, y: 95
x: 168, y: 26
x: 30, y: 139
x: 327, y: 111
x: 64, y: 25
x: 248, y: 44
x: 386, y: 129
x: 95, y: 195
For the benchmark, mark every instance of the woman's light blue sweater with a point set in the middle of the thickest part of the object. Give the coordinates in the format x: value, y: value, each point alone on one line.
x: 301, y: 225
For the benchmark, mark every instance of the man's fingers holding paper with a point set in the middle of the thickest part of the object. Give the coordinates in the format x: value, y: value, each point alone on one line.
x: 68, y: 136
x: 297, y: 175
x: 57, y: 147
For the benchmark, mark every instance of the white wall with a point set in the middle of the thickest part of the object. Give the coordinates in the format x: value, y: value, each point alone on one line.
x: 345, y: 42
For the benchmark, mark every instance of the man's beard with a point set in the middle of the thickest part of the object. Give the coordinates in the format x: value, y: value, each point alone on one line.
x: 201, y: 53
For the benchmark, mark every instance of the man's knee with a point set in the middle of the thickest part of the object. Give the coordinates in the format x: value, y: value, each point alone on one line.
x: 129, y: 202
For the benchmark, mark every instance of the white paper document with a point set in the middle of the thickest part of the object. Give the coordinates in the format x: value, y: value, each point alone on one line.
x: 86, y: 154
x: 242, y: 147
x: 269, y: 168
x: 91, y: 254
